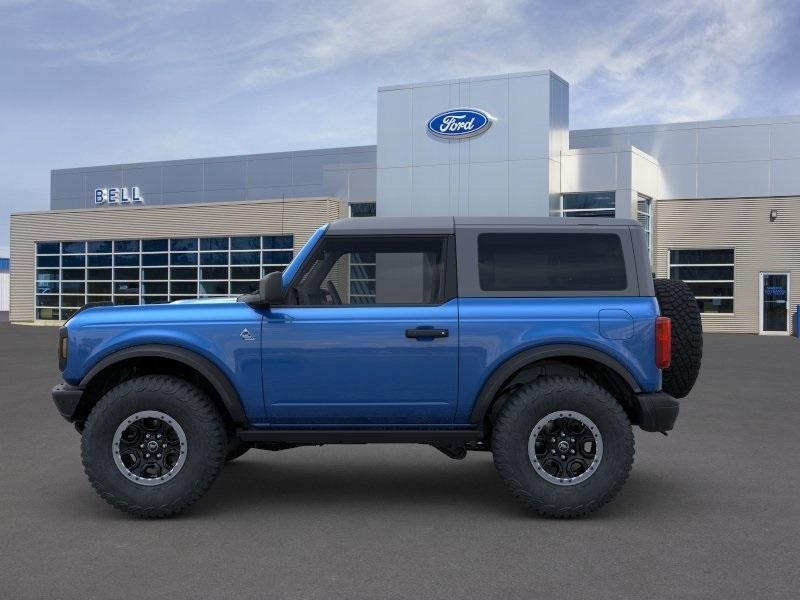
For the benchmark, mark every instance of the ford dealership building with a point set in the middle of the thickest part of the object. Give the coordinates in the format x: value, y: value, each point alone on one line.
x: 720, y: 201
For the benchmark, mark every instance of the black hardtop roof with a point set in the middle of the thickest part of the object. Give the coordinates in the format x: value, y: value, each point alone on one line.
x: 445, y: 225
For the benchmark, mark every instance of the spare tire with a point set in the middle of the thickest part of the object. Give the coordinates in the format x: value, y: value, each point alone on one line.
x: 678, y: 303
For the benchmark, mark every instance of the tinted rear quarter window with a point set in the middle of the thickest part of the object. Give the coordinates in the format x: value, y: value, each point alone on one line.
x: 551, y: 262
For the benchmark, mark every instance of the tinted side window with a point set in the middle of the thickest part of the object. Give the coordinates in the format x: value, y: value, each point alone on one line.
x: 398, y: 271
x: 549, y: 262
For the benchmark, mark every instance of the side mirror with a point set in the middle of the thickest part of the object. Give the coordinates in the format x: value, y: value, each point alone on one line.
x: 270, y: 291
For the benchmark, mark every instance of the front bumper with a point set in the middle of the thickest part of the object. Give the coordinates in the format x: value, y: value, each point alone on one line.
x: 67, y: 398
x: 656, y: 412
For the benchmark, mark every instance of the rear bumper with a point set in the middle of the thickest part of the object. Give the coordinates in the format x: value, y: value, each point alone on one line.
x: 67, y: 398
x: 656, y: 412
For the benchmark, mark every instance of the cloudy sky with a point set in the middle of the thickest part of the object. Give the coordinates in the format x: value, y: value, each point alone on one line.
x: 94, y: 82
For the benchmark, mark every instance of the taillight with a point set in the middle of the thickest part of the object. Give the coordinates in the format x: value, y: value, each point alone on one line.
x: 663, y: 342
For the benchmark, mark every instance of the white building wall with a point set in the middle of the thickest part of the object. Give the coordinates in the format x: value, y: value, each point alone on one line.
x: 4, y: 283
x: 511, y: 169
x: 713, y: 159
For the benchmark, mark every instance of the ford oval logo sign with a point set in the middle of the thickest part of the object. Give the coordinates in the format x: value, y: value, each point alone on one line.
x: 459, y: 123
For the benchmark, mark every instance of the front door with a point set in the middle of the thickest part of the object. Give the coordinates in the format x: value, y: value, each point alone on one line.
x: 368, y: 336
x: 774, y: 303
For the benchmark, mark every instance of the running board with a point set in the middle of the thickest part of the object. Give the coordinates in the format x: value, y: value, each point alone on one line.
x: 361, y: 436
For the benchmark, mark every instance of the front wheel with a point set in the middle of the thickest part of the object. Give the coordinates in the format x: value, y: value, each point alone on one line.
x: 153, y: 445
x: 563, y: 445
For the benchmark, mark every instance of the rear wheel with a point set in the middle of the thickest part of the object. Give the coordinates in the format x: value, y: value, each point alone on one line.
x: 676, y: 301
x: 563, y: 445
x: 153, y: 445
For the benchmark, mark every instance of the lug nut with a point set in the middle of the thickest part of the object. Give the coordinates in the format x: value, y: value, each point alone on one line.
x: 552, y: 451
x: 563, y: 434
x: 163, y: 445
x: 141, y: 445
x: 553, y: 440
x: 147, y: 455
x: 159, y: 437
x: 572, y: 440
x: 147, y: 435
x: 158, y: 455
x: 572, y: 451
x: 563, y: 457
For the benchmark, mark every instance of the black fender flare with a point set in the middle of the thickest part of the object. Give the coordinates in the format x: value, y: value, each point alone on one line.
x: 492, y: 385
x: 219, y: 381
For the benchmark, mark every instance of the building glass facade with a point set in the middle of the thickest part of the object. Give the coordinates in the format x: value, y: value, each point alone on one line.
x: 590, y: 204
x: 148, y: 271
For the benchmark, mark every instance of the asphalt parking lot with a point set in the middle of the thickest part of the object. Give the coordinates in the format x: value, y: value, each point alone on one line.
x: 712, y: 511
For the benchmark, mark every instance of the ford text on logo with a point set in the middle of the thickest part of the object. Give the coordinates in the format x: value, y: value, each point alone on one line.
x: 460, y: 123
x: 117, y: 196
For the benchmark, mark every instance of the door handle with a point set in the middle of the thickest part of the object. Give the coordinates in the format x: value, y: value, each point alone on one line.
x: 421, y: 332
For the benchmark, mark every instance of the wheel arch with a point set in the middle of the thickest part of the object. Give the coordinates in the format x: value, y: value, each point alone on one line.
x: 571, y: 354
x: 164, y: 359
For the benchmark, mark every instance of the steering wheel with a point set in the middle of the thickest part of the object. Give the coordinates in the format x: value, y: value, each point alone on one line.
x: 334, y: 293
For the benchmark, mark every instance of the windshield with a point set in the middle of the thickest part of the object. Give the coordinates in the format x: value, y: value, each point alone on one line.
x: 299, y: 259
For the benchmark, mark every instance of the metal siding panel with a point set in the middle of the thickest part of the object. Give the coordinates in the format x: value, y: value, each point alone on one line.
x: 299, y: 217
x: 742, y: 224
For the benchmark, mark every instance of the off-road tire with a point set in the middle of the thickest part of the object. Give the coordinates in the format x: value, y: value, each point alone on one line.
x: 516, y: 420
x: 236, y: 448
x: 677, y: 302
x: 205, y: 451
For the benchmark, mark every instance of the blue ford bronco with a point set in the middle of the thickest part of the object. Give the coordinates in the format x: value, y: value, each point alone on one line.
x: 540, y: 340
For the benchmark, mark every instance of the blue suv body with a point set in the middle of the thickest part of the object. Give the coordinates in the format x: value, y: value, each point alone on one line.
x: 393, y: 330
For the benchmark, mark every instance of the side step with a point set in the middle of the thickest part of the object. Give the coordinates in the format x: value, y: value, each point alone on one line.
x: 362, y: 436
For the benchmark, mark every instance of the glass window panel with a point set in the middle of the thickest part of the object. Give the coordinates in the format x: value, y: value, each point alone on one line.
x: 245, y: 243
x: 126, y: 274
x: 73, y: 274
x: 183, y: 287
x: 126, y: 246
x: 362, y: 257
x: 549, y: 262
x: 150, y: 287
x: 362, y: 209
x: 104, y: 298
x: 217, y: 243
x: 715, y: 288
x: 214, y: 287
x: 99, y: 274
x: 715, y: 305
x: 47, y: 261
x: 183, y: 273
x: 126, y: 260
x: 276, y: 258
x: 47, y: 287
x: 214, y: 258
x: 267, y: 270
x: 183, y: 245
x: 46, y: 274
x: 66, y: 313
x: 126, y: 300
x: 47, y: 314
x: 154, y: 274
x: 214, y: 272
x: 175, y: 297
x: 184, y: 258
x: 362, y: 299
x: 244, y: 258
x: 47, y: 300
x: 245, y: 272
x: 103, y: 287
x: 154, y: 259
x: 73, y: 247
x: 154, y: 245
x: 243, y: 287
x: 47, y: 247
x: 73, y: 300
x: 362, y: 271
x: 155, y: 299
x: 589, y: 213
x: 363, y: 288
x: 700, y: 257
x: 98, y: 247
x: 126, y: 287
x: 701, y: 273
x: 589, y: 200
x: 99, y: 260
x: 73, y: 287
x: 73, y: 260
x: 271, y: 242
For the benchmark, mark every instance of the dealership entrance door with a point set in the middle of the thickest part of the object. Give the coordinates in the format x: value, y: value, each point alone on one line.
x: 774, y: 303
